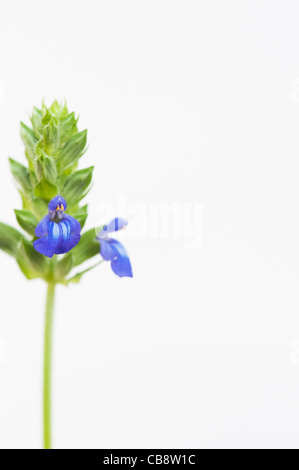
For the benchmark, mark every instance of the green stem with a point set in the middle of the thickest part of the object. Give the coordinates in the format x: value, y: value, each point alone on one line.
x: 47, y: 364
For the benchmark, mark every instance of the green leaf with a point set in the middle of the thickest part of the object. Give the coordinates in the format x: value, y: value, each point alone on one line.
x: 82, y: 219
x: 45, y: 190
x: 38, y: 169
x: 77, y: 277
x: 10, y: 239
x: 26, y: 269
x: 51, y: 133
x: 63, y: 267
x: 27, y: 221
x: 29, y: 139
x: 68, y: 127
x: 76, y: 185
x: 36, y: 205
x: 49, y: 169
x: 81, y: 215
x: 21, y: 175
x: 33, y: 179
x: 59, y: 110
x: 87, y: 247
x: 48, y: 166
x: 73, y: 149
x: 32, y: 263
x: 36, y: 120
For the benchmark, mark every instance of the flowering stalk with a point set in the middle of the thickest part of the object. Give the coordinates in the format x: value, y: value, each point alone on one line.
x: 51, y: 189
x: 48, y: 364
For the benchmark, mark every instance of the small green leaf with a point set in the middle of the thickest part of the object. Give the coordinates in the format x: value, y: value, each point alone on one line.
x: 37, y: 265
x: 32, y: 264
x: 59, y: 110
x: 10, y: 239
x: 45, y: 190
x: 26, y: 269
x: 73, y: 149
x: 81, y: 215
x: 38, y: 170
x: 36, y: 120
x: 82, y: 219
x: 36, y: 205
x: 68, y: 127
x: 63, y: 267
x: 77, y: 277
x: 33, y: 179
x: 21, y: 175
x: 48, y: 166
x: 51, y: 133
x: 76, y: 185
x: 29, y: 139
x: 87, y: 247
x: 27, y: 221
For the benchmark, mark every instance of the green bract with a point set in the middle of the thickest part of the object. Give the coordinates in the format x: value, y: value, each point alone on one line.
x: 53, y: 148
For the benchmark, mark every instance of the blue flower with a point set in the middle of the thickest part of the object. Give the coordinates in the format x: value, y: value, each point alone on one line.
x: 59, y: 232
x: 112, y: 250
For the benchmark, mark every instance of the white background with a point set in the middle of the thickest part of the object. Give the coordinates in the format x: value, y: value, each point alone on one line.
x: 186, y: 102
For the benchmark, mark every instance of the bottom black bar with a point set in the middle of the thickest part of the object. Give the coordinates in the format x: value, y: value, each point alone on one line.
x: 108, y: 458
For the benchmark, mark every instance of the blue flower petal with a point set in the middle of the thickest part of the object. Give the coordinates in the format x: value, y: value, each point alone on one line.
x: 116, y: 224
x: 113, y: 250
x: 67, y: 239
x: 45, y: 247
x: 106, y: 249
x: 74, y: 224
x: 42, y: 228
x: 48, y: 244
x: 57, y: 238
